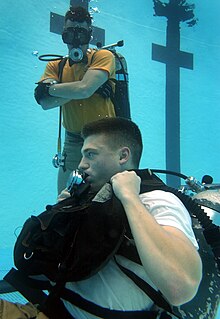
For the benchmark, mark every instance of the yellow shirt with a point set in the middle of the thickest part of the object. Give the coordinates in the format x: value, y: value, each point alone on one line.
x: 77, y: 113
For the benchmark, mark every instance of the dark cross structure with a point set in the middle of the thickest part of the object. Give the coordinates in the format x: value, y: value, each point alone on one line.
x: 57, y: 23
x: 175, y: 11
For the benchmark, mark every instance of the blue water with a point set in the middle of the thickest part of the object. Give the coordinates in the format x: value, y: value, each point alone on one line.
x: 29, y: 134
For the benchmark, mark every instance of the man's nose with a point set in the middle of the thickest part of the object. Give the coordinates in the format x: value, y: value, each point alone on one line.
x: 83, y: 165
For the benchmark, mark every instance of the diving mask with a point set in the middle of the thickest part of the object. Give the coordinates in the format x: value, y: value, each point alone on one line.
x: 76, y: 36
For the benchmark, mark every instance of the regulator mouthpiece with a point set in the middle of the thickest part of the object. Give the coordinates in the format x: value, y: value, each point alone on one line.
x: 76, y: 55
x: 75, y: 179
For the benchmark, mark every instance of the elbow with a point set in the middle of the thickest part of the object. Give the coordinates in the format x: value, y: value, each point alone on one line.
x: 185, y: 292
x: 185, y: 285
x: 179, y: 297
x: 86, y: 92
x: 42, y: 103
x: 45, y: 106
x: 48, y: 104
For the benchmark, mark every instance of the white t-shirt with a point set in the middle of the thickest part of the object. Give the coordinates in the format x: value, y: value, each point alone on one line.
x: 110, y: 287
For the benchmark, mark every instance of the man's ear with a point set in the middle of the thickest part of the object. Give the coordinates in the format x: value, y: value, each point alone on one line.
x: 125, y: 154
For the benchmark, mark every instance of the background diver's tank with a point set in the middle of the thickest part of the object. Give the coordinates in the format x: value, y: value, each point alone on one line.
x: 121, y: 95
x: 121, y: 89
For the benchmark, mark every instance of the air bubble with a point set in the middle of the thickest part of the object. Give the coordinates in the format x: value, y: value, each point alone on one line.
x: 95, y: 9
x: 35, y: 53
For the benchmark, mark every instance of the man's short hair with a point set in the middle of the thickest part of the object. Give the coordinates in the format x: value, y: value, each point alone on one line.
x: 120, y: 132
x: 78, y: 14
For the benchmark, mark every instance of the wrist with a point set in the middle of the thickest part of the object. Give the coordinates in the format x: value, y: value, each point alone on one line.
x: 128, y: 198
x: 42, y: 90
x: 51, y: 87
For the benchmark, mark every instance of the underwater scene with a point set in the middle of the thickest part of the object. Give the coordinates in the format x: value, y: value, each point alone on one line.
x: 167, y: 55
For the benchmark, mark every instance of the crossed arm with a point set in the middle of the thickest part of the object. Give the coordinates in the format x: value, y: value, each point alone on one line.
x: 62, y: 93
x: 168, y: 257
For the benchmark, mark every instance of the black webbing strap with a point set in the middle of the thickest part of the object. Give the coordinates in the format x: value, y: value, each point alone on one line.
x: 25, y: 286
x: 53, y: 307
x: 31, y: 289
x: 102, y: 312
x: 153, y: 294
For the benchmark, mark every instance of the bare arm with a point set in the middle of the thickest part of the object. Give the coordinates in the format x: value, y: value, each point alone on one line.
x: 168, y: 256
x: 64, y: 92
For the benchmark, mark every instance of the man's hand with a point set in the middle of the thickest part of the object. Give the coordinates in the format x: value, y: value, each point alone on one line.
x: 126, y: 185
x: 105, y: 90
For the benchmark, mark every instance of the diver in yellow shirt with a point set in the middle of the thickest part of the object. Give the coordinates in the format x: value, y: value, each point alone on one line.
x: 83, y: 73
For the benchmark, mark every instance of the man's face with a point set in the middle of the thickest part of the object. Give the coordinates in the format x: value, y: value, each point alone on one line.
x: 99, y: 161
x: 81, y: 34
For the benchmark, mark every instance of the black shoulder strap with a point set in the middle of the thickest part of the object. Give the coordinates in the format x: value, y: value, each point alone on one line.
x: 92, y: 57
x: 60, y: 73
x: 60, y: 68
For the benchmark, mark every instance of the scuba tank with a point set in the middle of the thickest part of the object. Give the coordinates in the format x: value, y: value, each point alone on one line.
x: 120, y: 97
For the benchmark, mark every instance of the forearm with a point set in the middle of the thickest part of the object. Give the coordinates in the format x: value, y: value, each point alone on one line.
x: 171, y: 263
x: 51, y: 102
x: 61, y: 93
x: 71, y: 91
x: 83, y: 89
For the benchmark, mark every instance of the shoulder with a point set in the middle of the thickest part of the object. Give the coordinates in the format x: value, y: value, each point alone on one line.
x: 100, y: 54
x: 105, y: 53
x: 53, y: 65
x: 168, y: 210
x: 161, y: 195
x: 102, y: 60
x: 159, y: 202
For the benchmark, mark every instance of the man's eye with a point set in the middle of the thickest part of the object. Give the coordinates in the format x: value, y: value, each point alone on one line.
x: 90, y: 154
